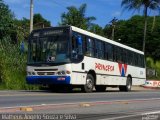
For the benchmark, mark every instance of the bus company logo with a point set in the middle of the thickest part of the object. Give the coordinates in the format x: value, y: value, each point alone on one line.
x: 103, y: 67
x: 122, y: 69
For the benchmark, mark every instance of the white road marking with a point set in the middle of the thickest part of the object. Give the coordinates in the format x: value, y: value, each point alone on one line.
x: 156, y: 112
x: 115, y: 118
x: 128, y: 116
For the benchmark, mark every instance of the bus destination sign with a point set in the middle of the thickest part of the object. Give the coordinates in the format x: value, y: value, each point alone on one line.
x: 54, y: 32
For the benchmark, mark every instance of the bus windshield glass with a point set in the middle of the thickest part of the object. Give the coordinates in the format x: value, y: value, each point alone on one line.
x: 46, y: 49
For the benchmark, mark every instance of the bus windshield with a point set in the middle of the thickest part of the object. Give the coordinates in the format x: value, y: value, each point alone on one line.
x: 49, y: 49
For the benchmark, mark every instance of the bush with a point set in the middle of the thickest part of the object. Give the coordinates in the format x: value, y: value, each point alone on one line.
x: 154, y: 65
x: 12, y: 66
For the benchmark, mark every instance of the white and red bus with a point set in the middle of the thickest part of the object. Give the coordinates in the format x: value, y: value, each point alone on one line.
x: 70, y: 56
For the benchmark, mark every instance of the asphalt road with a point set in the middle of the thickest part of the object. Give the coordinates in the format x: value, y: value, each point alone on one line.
x: 110, y: 105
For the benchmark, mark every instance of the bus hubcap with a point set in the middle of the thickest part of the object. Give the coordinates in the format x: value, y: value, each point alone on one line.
x: 89, y: 84
x: 129, y: 86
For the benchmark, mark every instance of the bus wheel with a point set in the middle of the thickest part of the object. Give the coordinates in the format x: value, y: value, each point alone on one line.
x: 88, y: 87
x: 128, y: 86
x: 100, y: 88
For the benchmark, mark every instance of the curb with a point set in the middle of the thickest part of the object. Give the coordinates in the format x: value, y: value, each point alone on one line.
x: 152, y: 84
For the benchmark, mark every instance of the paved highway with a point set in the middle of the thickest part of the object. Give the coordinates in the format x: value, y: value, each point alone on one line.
x: 107, y: 105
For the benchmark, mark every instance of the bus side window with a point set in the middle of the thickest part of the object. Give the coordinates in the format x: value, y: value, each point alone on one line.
x: 133, y: 59
x: 130, y: 58
x: 124, y: 54
x: 120, y: 54
x: 139, y: 60
x: 99, y: 49
x: 106, y: 51
x: 115, y: 53
x: 143, y: 61
x: 136, y: 59
x: 89, y: 47
x: 110, y: 52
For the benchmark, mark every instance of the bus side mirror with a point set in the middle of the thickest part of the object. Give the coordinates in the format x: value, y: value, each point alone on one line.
x: 79, y: 40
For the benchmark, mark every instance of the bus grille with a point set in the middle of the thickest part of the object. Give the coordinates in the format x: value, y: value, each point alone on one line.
x: 46, y: 73
x: 46, y: 69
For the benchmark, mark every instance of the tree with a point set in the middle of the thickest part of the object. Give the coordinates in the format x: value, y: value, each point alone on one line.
x: 137, y: 5
x: 40, y: 22
x: 22, y: 29
x: 6, y: 21
x: 130, y: 32
x: 76, y: 17
x: 95, y: 28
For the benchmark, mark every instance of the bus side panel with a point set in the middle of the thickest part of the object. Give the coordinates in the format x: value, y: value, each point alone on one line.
x: 104, y: 76
x: 138, y: 75
x: 107, y: 72
x: 78, y: 76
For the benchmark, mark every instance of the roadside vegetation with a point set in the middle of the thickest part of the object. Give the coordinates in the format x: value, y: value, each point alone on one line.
x: 12, y: 66
x: 154, y: 65
x: 14, y: 31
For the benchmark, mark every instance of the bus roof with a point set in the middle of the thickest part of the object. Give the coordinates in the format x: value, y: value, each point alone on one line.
x: 104, y: 39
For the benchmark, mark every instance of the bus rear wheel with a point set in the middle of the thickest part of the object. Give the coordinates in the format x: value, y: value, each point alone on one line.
x: 100, y: 88
x: 88, y: 87
x: 127, y: 87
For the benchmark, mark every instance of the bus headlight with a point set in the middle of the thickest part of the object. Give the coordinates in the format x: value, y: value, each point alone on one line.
x: 29, y: 73
x: 63, y: 72
x: 33, y: 73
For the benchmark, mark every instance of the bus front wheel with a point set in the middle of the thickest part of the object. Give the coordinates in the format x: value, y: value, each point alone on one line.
x: 88, y: 87
x: 128, y: 85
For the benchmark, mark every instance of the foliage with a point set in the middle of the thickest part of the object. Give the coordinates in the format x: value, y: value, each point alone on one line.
x: 76, y: 17
x: 22, y: 29
x: 157, y: 64
x: 40, y: 22
x: 22, y: 26
x: 10, y: 27
x: 6, y: 21
x: 150, y: 62
x: 95, y: 28
x: 138, y: 4
x: 130, y: 32
x: 145, y: 5
x: 12, y: 66
x: 154, y: 65
x: 17, y: 30
x: 12, y: 62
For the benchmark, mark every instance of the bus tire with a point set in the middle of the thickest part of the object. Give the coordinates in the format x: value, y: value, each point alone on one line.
x: 100, y: 88
x: 88, y: 87
x: 128, y: 85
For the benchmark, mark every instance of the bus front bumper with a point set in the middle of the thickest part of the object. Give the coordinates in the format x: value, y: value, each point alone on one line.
x: 48, y: 79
